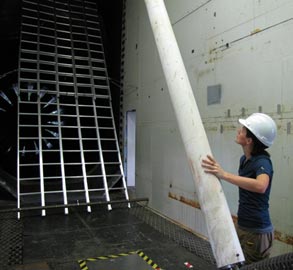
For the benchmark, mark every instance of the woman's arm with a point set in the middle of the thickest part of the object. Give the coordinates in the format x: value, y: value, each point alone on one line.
x: 258, y: 185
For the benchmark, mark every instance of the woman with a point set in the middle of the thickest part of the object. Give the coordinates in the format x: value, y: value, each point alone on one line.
x: 254, y: 229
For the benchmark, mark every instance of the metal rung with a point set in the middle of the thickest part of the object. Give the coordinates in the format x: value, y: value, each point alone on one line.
x: 117, y: 188
x: 73, y: 127
x: 53, y: 191
x: 43, y: 138
x: 31, y: 70
x: 76, y: 190
x: 97, y: 68
x: 58, y: 163
x: 38, y: 178
x: 28, y: 138
x: 104, y: 117
x: 96, y: 189
x: 103, y: 107
x: 30, y: 151
x: 28, y: 33
x: 74, y: 177
x: 26, y: 24
x: 94, y: 176
x: 29, y: 193
x: 35, y: 138
x: 107, y: 128
x: 112, y: 163
x: 29, y: 165
x: 29, y: 179
x: 100, y: 77
x: 27, y: 16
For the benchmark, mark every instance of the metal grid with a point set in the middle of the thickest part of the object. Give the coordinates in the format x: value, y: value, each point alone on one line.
x: 67, y: 144
x: 182, y: 237
x: 11, y: 241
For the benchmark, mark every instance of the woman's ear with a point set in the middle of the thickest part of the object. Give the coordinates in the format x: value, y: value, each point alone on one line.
x: 249, y: 140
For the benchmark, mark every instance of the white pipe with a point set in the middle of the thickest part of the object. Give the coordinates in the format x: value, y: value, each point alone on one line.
x: 221, y: 231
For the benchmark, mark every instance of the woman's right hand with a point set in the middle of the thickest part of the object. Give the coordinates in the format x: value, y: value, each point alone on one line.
x: 210, y: 165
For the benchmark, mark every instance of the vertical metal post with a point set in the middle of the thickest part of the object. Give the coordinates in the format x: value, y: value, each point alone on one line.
x: 62, y: 164
x: 78, y: 117
x: 41, y: 165
x: 119, y: 159
x: 18, y: 145
x: 84, y: 174
x: 101, y: 156
x: 100, y: 150
x: 221, y: 230
x: 64, y: 189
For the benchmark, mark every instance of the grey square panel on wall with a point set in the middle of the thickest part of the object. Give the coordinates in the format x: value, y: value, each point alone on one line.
x: 214, y: 94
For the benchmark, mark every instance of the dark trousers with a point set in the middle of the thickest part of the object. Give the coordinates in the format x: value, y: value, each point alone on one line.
x: 255, y: 246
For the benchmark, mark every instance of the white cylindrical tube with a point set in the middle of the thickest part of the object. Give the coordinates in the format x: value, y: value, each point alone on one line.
x: 221, y: 231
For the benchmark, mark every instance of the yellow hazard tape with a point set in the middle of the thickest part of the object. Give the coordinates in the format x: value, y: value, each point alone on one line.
x: 83, y: 266
x: 147, y: 260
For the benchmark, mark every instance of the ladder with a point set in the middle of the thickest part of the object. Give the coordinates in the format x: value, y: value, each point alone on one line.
x: 68, y: 150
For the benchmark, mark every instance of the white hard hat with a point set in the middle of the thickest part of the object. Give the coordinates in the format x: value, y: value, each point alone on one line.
x: 262, y: 126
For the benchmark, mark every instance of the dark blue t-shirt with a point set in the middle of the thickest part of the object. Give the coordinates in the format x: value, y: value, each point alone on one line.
x: 253, y: 211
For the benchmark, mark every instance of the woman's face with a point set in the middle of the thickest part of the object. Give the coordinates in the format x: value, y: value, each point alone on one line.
x: 241, y: 136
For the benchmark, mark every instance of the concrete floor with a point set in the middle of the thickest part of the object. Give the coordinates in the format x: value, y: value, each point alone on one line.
x: 101, y: 240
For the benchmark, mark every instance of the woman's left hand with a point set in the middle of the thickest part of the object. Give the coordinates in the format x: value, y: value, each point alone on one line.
x: 210, y: 165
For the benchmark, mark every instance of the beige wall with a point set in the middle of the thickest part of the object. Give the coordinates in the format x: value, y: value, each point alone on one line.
x: 246, y: 47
